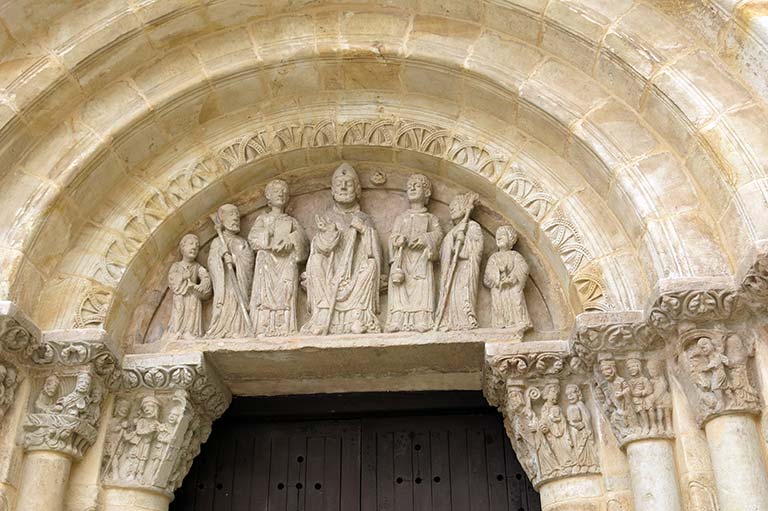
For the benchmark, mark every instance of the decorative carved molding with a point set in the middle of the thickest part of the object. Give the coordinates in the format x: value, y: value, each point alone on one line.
x: 676, y: 308
x: 161, y: 417
x: 717, y: 373
x: 491, y: 162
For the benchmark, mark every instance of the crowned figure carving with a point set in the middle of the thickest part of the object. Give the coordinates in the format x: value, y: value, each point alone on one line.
x: 414, y: 247
x: 230, y: 263
x: 344, y: 266
x: 280, y: 245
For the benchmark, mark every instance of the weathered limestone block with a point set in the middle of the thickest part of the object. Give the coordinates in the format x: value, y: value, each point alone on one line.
x: 162, y: 415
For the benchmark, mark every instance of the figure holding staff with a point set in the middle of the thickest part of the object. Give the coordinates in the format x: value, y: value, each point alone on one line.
x: 230, y: 264
x: 460, y: 255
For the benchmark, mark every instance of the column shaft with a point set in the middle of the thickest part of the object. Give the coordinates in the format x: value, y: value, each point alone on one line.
x: 44, y: 478
x: 133, y: 499
x: 737, y: 460
x: 653, y: 474
x: 578, y: 492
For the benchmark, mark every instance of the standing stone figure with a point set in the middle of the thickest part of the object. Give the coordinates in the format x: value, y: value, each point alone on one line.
x: 344, y: 265
x: 413, y: 249
x: 580, y: 430
x: 741, y: 392
x: 460, y: 255
x: 280, y: 245
x: 660, y: 398
x: 77, y: 403
x: 640, y: 388
x: 230, y: 263
x: 505, y: 274
x: 145, y: 429
x: 613, y: 393
x: 190, y: 284
x: 552, y: 424
x: 521, y: 428
x: 114, y: 443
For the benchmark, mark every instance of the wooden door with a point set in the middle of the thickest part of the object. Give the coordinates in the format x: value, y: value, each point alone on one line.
x: 337, y: 458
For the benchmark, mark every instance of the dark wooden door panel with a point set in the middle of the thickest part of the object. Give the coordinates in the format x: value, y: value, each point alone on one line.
x: 383, y: 462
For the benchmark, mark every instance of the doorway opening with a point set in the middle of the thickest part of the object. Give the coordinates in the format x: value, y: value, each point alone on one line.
x: 417, y: 451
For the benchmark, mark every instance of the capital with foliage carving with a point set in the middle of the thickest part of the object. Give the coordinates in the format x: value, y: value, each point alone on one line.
x: 162, y: 415
x: 545, y: 413
x: 70, y: 372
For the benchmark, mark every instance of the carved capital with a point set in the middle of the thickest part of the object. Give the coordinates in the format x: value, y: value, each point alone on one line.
x: 70, y: 372
x: 162, y: 415
x: 633, y: 393
x: 754, y: 286
x: 545, y: 414
x: 716, y: 369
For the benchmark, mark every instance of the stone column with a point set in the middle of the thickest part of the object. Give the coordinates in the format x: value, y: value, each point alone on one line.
x: 715, y: 366
x: 70, y: 373
x: 160, y: 419
x: 633, y: 392
x: 547, y: 421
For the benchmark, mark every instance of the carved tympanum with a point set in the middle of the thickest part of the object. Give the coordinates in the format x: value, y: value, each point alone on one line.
x: 414, y: 246
x: 64, y: 414
x: 549, y: 441
x: 280, y: 245
x: 460, y: 255
x: 636, y: 399
x: 190, y: 284
x: 506, y: 273
x: 344, y: 267
x: 717, y: 364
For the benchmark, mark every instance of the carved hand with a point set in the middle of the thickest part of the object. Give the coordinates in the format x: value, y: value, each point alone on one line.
x: 228, y: 259
x: 398, y: 241
x: 357, y: 224
x: 417, y: 243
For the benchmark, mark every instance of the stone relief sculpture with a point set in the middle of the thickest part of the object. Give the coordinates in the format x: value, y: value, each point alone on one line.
x: 637, y: 406
x: 414, y: 246
x: 506, y: 273
x: 718, y: 366
x: 230, y: 263
x: 64, y: 422
x: 580, y: 430
x: 460, y: 254
x: 190, y: 284
x: 255, y: 283
x: 9, y: 380
x: 344, y: 266
x: 548, y: 442
x: 280, y: 245
x: 142, y: 445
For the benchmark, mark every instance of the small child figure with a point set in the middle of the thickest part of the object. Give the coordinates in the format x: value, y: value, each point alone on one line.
x: 190, y: 284
x: 505, y: 275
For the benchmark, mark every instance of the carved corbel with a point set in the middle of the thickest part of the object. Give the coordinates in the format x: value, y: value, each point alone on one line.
x: 162, y: 415
x: 545, y: 414
x: 716, y: 368
x: 70, y: 372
